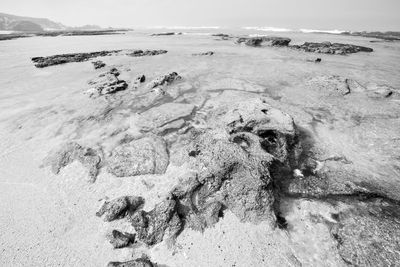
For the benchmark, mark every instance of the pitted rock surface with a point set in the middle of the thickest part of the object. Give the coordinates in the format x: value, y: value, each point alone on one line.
x: 147, y: 155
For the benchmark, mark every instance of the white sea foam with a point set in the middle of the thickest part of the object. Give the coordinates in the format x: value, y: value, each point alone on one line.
x: 321, y: 31
x: 268, y: 29
x: 185, y: 27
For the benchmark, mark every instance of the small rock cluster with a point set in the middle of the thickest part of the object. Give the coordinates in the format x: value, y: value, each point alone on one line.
x: 142, y: 53
x: 106, y: 83
x: 208, y: 53
x: 98, y: 64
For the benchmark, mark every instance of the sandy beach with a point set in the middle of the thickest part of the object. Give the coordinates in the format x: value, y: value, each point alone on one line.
x: 328, y: 154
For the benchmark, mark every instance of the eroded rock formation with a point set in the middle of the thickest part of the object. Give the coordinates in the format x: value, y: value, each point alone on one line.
x: 141, y: 262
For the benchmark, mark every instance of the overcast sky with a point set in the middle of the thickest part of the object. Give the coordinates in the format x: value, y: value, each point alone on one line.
x: 295, y: 14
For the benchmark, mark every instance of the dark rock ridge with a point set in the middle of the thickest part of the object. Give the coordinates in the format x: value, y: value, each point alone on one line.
x: 98, y: 64
x: 164, y: 80
x: 120, y: 240
x: 166, y: 33
x: 106, y: 83
x: 141, y: 53
x: 70, y: 152
x: 42, y: 62
x: 324, y: 47
x: 387, y: 36
x: 264, y: 40
x: 118, y: 208
x: 208, y: 53
x: 141, y: 262
x: 331, y: 48
x: 147, y: 155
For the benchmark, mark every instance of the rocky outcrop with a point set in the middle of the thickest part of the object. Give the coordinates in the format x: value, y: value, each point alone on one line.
x: 141, y: 262
x: 120, y: 240
x: 106, y: 83
x: 69, y: 152
x: 265, y: 40
x: 147, y: 155
x: 208, y: 53
x: 331, y: 48
x: 164, y: 80
x: 142, y: 53
x: 42, y: 62
x: 98, y: 64
x: 118, y: 208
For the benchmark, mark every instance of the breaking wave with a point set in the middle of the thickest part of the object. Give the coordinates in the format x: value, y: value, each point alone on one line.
x: 321, y: 31
x: 268, y: 29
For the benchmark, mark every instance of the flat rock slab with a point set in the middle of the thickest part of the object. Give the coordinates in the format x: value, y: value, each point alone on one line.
x: 165, y: 116
x: 147, y: 155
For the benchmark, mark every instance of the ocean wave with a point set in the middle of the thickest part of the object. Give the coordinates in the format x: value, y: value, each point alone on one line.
x: 185, y: 27
x: 268, y: 29
x: 321, y: 31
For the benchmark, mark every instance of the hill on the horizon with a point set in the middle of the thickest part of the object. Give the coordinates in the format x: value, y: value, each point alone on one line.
x: 10, y: 22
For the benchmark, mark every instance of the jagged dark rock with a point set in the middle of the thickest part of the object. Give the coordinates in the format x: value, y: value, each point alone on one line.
x: 164, y: 80
x: 98, y: 64
x: 331, y: 48
x: 42, y: 62
x: 141, y: 262
x: 141, y: 53
x: 72, y: 151
x: 120, y: 240
x: 106, y: 83
x: 231, y: 164
x: 158, y: 224
x: 265, y: 40
x: 147, y: 155
x: 318, y: 60
x: 141, y: 78
x: 119, y: 207
x: 209, y: 53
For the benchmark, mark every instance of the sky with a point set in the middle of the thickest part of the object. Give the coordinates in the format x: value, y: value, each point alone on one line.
x: 293, y: 14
